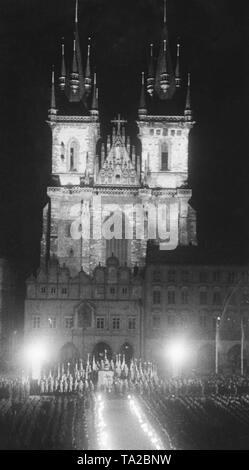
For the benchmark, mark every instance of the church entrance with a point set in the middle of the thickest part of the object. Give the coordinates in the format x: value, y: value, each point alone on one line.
x: 128, y: 351
x: 99, y: 351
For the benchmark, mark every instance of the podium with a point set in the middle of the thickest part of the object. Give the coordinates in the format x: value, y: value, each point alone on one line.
x: 105, y: 378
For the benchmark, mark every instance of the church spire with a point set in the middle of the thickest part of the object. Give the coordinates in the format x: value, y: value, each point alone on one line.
x: 77, y: 90
x: 142, y: 110
x: 188, y: 110
x: 164, y: 77
x: 88, y: 80
x: 164, y: 19
x: 95, y: 107
x: 52, y: 111
x: 177, y: 72
x: 62, y: 78
x: 151, y: 77
x: 76, y: 11
x: 74, y: 82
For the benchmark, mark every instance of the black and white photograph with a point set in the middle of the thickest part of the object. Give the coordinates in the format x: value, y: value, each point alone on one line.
x: 124, y: 237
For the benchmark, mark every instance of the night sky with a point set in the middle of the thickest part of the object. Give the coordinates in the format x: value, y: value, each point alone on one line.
x: 213, y: 36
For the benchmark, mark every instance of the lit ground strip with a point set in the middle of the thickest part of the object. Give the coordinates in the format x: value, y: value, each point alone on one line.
x: 145, y: 425
x: 100, y: 425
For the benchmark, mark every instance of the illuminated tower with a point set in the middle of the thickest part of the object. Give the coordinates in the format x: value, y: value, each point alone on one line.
x: 165, y: 120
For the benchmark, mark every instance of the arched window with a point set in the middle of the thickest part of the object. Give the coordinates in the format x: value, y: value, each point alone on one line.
x: 164, y: 157
x: 184, y: 296
x: 73, y: 156
x: 62, y: 151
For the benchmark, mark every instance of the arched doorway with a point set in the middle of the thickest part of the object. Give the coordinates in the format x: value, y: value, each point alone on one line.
x: 99, y: 351
x: 128, y: 351
x: 233, y: 358
x: 68, y: 352
x: 206, y: 359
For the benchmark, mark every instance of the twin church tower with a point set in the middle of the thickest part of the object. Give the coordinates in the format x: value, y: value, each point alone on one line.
x: 90, y: 170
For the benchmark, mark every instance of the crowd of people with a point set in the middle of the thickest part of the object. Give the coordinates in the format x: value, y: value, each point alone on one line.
x: 112, y: 376
x: 117, y: 376
x: 205, y: 386
x: 16, y: 389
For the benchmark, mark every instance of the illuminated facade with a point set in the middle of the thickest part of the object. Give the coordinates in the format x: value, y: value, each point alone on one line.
x: 190, y: 300
x: 147, y: 170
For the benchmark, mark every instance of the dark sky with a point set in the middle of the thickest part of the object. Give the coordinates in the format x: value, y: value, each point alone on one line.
x: 213, y: 37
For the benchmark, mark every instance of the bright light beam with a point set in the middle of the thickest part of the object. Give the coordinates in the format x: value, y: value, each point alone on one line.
x: 35, y: 354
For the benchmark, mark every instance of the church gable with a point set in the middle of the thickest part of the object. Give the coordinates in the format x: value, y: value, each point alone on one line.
x: 119, y: 162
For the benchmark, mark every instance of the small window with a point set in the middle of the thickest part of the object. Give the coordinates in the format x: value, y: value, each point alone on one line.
x: 216, y: 276
x: 164, y: 157
x: 203, y: 297
x: 178, y: 132
x: 116, y: 323
x: 203, y: 276
x: 156, y: 297
x: 36, y: 322
x: 151, y: 131
x: 64, y: 290
x: 245, y: 276
x: 171, y: 320
x: 68, y: 322
x: 43, y: 290
x: 185, y: 276
x: 165, y: 132
x: 68, y: 230
x: 62, y: 151
x: 53, y: 290
x: 157, y: 276
x: 171, y: 297
x: 100, y: 323
x: 184, y: 296
x: 99, y: 291
x: 217, y: 298
x: 245, y: 298
x: 156, y: 322
x: 112, y: 290
x: 231, y: 277
x: 158, y: 132
x: 73, y: 157
x: 52, y: 322
x: 171, y: 276
x: 173, y: 132
x: 124, y: 290
x: 132, y: 323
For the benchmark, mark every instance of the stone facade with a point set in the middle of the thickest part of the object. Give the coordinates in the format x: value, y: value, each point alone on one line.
x: 80, y: 314
x: 186, y: 300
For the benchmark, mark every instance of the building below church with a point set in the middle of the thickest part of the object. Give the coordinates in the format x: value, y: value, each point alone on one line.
x: 138, y: 312
x: 85, y: 314
x: 189, y: 297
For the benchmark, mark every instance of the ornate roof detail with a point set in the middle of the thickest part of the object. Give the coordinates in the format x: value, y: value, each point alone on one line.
x: 117, y: 166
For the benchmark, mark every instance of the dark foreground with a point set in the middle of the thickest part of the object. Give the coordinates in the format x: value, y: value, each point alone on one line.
x: 65, y: 421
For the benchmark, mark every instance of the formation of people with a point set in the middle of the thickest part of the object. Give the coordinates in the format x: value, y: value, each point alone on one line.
x: 114, y: 375
x: 118, y: 376
x: 16, y: 389
x: 205, y: 386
